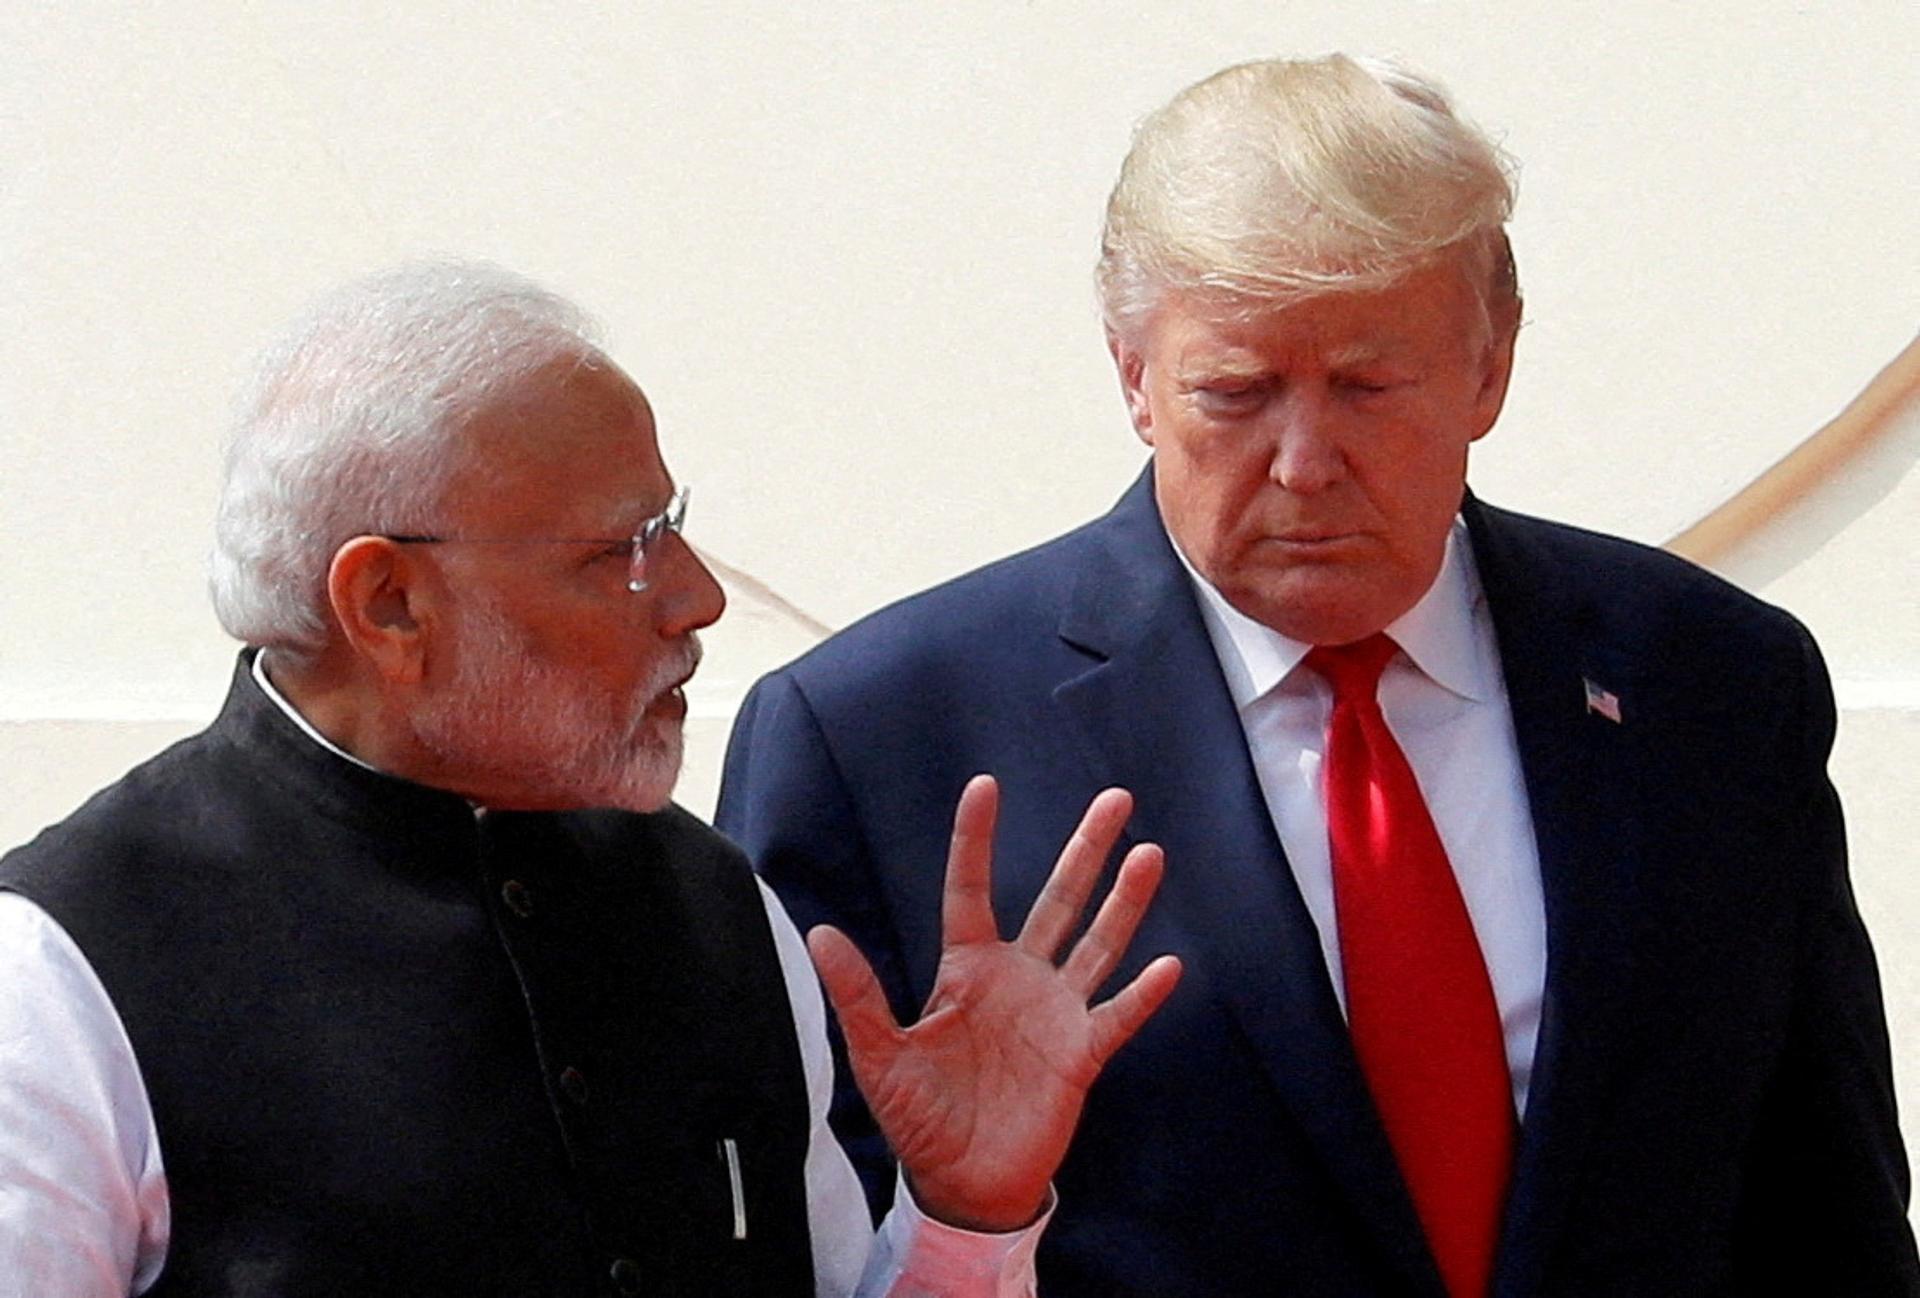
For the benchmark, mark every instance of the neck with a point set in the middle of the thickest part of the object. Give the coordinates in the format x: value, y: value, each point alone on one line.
x: 342, y: 705
x: 351, y: 711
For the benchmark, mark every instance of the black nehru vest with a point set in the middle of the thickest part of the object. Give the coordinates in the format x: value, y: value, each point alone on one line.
x: 395, y: 1048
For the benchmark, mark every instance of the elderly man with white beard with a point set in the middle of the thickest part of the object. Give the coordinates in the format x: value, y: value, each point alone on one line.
x: 406, y: 977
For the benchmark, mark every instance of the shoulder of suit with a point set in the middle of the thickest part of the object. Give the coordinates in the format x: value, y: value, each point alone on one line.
x: 993, y: 608
x: 1640, y: 583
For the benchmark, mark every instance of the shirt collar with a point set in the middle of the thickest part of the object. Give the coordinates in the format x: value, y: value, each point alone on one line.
x: 279, y: 700
x: 1439, y: 633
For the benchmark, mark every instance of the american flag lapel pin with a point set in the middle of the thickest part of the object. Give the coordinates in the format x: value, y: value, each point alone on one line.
x: 1603, y: 701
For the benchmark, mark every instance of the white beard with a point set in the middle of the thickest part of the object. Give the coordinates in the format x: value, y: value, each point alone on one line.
x: 510, y: 718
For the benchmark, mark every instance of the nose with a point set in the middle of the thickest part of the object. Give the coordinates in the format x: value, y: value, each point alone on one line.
x: 1307, y: 455
x: 690, y: 597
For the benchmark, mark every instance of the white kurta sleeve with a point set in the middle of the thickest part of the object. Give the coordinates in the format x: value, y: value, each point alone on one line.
x: 83, y: 1196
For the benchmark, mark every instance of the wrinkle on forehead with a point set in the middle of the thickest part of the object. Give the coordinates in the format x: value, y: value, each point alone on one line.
x: 1238, y: 337
x: 1214, y: 358
x: 562, y: 387
x: 587, y: 425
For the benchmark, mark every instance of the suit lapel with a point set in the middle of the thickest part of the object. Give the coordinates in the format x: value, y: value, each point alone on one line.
x: 1582, y: 772
x: 1154, y: 716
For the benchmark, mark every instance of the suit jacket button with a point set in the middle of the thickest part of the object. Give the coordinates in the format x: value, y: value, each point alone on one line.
x: 625, y: 1273
x: 518, y: 899
x: 573, y: 1084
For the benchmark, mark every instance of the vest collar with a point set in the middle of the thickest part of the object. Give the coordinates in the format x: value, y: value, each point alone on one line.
x: 282, y: 750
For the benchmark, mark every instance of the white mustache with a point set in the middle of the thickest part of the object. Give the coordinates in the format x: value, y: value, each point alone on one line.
x: 676, y: 669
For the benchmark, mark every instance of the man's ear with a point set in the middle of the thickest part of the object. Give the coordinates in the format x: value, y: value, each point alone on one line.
x: 378, y: 593
x: 1498, y: 371
x: 1131, y: 362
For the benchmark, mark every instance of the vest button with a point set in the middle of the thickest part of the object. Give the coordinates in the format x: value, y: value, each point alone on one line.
x: 625, y: 1273
x: 518, y: 899
x: 573, y: 1084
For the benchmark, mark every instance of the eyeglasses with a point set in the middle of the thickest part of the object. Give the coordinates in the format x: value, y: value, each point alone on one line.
x: 639, y: 547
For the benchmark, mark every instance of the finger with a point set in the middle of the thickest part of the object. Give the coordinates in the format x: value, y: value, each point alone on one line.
x: 859, y: 1003
x: 1097, y: 952
x: 966, y: 906
x: 1058, y: 907
x: 1114, y: 1023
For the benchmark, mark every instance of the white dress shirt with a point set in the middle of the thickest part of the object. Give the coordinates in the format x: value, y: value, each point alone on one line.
x: 1446, y: 702
x: 84, y: 1211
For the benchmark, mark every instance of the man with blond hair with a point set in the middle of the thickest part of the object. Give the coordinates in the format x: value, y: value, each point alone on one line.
x: 1522, y: 958
x: 405, y: 977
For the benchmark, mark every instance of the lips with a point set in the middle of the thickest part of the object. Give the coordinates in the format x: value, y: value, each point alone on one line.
x: 670, y: 703
x: 1307, y: 539
x: 688, y: 664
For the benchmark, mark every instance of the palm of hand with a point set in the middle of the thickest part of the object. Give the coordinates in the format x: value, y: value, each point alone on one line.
x: 999, y: 1062
x: 980, y: 1096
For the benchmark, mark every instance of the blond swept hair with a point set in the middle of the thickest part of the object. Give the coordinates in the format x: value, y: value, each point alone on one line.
x: 1282, y: 179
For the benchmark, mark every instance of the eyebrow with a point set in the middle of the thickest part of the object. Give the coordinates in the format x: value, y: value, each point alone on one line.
x: 630, y: 513
x: 1361, y: 353
x: 1228, y: 365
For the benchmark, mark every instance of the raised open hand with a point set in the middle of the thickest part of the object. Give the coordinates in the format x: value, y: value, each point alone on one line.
x: 980, y: 1097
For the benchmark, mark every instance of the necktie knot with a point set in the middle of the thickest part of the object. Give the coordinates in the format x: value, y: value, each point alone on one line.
x: 1353, y: 670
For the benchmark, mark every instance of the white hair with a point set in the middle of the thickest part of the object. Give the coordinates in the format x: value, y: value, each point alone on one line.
x: 1282, y: 179
x: 350, y: 424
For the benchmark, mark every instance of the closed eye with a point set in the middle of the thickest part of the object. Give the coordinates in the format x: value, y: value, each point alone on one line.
x: 1230, y: 396
x: 1368, y: 384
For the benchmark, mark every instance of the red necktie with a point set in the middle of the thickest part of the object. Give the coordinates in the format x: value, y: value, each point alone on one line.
x: 1419, y: 1004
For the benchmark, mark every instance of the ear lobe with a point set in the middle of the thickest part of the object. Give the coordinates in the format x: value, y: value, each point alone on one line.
x: 1131, y: 363
x: 375, y: 591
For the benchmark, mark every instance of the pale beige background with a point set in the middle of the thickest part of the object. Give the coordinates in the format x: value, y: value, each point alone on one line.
x: 846, y: 247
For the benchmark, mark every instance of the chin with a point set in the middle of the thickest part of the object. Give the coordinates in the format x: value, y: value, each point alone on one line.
x: 638, y: 775
x: 649, y: 774
x: 1319, y: 609
x: 648, y: 796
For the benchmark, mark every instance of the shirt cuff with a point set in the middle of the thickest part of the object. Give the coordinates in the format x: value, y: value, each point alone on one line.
x: 916, y: 1255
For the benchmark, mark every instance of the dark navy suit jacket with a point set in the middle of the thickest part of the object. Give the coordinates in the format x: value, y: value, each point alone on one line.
x: 1711, y: 1109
